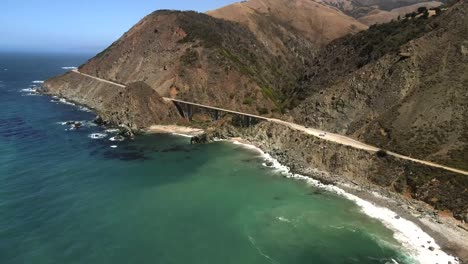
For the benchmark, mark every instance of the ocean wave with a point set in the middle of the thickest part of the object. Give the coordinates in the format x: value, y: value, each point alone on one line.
x: 63, y: 101
x: 97, y: 135
x: 37, y: 82
x: 56, y: 99
x: 181, y: 135
x: 77, y: 124
x: 84, y: 108
x: 29, y: 90
x: 112, y: 130
x: 283, y: 219
x: 117, y: 139
x: 113, y: 146
x: 69, y: 67
x: 411, y: 236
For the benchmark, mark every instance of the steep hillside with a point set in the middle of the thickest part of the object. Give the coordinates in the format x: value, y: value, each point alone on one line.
x: 400, y: 86
x: 384, y: 16
x: 137, y: 106
x: 372, y: 12
x: 199, y: 58
x: 250, y: 67
x: 315, y: 22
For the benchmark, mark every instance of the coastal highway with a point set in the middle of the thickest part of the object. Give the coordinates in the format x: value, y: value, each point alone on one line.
x: 99, y: 79
x: 340, y: 139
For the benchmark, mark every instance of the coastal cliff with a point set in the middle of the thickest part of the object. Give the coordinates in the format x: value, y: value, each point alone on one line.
x: 135, y: 107
x: 363, y: 172
x: 399, y: 86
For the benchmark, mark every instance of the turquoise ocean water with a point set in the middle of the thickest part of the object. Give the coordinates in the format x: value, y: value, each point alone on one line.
x: 67, y: 198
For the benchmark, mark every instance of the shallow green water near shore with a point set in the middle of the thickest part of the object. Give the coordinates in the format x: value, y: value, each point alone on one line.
x: 67, y: 198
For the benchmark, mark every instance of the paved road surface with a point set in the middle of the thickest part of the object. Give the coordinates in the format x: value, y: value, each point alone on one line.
x: 99, y: 79
x: 340, y: 139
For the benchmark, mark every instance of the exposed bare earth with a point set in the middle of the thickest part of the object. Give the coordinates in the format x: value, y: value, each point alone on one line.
x: 382, y: 16
x: 371, y: 12
x: 174, y: 129
x: 318, y: 23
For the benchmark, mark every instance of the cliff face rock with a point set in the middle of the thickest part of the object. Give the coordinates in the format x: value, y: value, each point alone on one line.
x: 410, y: 98
x: 137, y: 106
x: 305, y: 154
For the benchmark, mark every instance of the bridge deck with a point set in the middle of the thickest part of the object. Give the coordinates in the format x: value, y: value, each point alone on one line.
x: 216, y: 108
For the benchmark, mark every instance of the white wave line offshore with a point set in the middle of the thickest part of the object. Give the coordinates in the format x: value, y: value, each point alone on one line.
x: 252, y: 240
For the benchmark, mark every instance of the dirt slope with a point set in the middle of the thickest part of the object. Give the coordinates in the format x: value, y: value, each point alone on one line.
x: 316, y: 22
x: 410, y: 98
x: 371, y: 12
x: 199, y: 58
x: 383, y: 16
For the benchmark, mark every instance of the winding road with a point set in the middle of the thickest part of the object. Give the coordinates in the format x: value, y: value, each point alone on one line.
x: 340, y: 139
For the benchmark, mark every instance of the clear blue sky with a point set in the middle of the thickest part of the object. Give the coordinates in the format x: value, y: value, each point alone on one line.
x: 79, y: 25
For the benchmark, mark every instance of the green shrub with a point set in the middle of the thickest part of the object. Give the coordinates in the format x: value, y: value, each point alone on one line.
x: 190, y: 57
x: 262, y: 111
x: 247, y: 101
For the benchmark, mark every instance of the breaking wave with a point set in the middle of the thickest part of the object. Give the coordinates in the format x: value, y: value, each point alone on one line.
x: 97, y: 135
x: 411, y: 236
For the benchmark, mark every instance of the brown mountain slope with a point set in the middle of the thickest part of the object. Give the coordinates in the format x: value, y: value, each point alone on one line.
x: 213, y: 61
x: 409, y: 97
x: 318, y: 23
x: 199, y: 58
x: 371, y: 12
x: 383, y: 16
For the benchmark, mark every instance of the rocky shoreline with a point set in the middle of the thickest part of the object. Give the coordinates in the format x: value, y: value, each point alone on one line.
x: 350, y: 169
x: 449, y: 233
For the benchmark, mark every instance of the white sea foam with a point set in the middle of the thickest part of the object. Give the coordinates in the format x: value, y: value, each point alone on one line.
x: 112, y: 130
x: 181, y: 135
x: 283, y: 219
x: 113, y: 146
x: 63, y: 101
x: 84, y: 108
x: 98, y: 135
x: 29, y: 90
x: 57, y: 99
x: 118, y: 139
x: 69, y: 67
x: 411, y: 236
x: 38, y: 82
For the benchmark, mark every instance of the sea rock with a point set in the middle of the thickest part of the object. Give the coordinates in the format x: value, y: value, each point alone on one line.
x: 100, y: 121
x: 77, y: 125
x: 200, y: 139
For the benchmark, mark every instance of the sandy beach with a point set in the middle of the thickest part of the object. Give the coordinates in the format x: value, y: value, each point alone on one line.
x: 429, y: 237
x: 175, y: 129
